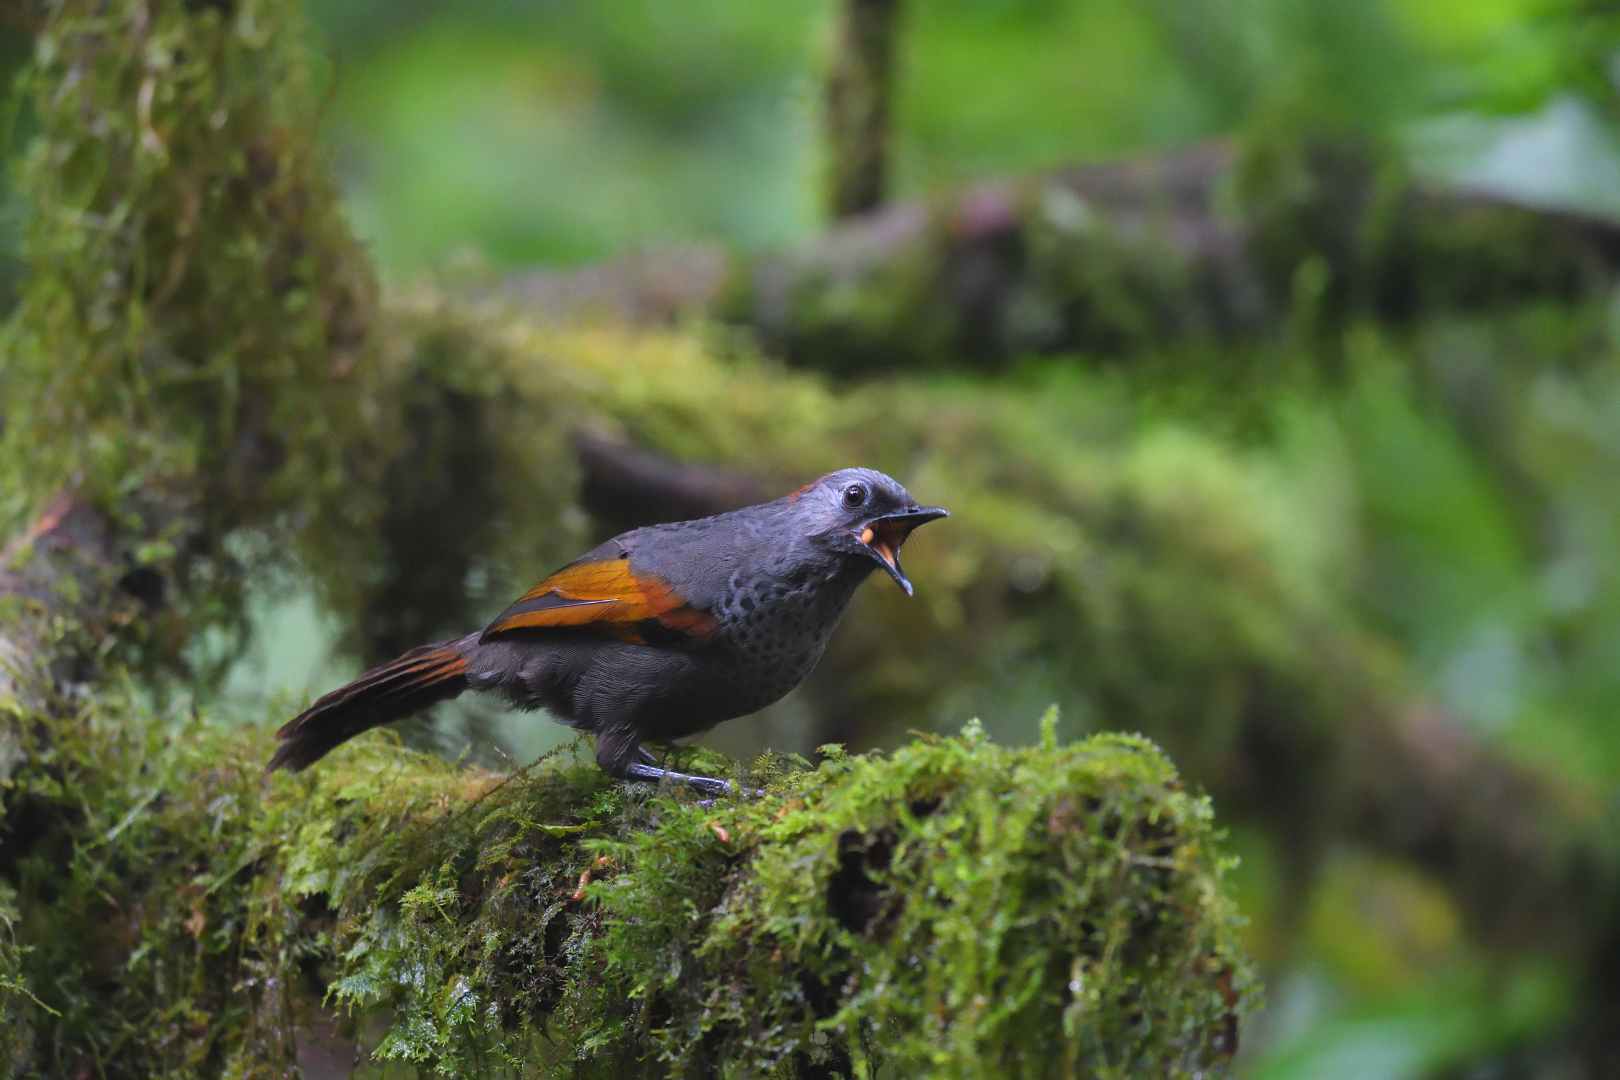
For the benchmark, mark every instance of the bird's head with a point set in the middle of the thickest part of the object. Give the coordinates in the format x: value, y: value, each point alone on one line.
x: 863, y: 514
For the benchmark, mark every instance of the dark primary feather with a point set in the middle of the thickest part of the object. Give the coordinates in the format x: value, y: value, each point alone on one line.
x: 388, y: 692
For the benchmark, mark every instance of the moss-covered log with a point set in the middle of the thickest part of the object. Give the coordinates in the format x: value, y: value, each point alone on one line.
x: 957, y: 907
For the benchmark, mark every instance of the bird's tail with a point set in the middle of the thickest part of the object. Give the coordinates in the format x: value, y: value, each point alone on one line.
x: 388, y: 692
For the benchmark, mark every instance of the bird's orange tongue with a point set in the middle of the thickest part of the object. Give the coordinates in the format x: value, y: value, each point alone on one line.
x: 885, y: 539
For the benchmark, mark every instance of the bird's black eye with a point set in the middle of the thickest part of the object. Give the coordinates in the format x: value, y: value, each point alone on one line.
x: 855, y: 495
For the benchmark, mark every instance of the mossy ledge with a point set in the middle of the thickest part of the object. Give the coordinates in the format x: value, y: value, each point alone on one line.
x: 954, y: 908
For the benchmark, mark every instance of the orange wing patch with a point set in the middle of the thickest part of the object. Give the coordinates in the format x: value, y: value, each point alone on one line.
x: 607, y: 596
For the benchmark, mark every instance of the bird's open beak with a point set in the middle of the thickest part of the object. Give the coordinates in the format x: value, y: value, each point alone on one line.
x: 884, y: 535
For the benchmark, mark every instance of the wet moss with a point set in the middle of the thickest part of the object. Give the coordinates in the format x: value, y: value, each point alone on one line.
x: 957, y: 907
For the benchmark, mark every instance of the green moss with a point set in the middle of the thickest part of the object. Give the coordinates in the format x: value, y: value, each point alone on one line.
x: 1150, y: 575
x: 193, y: 295
x: 18, y: 1005
x: 956, y: 908
x: 193, y: 334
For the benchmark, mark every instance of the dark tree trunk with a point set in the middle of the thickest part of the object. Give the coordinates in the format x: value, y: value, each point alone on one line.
x: 860, y: 89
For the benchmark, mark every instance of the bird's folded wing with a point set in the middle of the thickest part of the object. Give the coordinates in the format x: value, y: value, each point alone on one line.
x: 605, y: 595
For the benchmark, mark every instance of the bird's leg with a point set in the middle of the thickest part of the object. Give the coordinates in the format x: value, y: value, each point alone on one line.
x: 621, y: 756
x: 640, y: 770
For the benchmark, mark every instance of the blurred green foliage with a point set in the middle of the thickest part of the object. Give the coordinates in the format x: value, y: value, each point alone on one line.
x: 528, y: 132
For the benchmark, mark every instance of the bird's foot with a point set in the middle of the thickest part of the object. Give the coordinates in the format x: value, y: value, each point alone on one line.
x: 640, y: 770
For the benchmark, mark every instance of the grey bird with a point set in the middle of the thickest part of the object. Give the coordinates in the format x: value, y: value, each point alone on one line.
x: 659, y: 633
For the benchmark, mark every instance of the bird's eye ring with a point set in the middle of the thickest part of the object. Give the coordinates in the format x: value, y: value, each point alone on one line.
x: 855, y: 495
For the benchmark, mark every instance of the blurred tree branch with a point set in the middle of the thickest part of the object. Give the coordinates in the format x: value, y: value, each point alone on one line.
x: 1211, y: 242
x: 624, y: 486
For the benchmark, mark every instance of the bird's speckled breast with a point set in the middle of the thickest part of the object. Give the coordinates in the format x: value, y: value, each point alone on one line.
x: 776, y: 628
